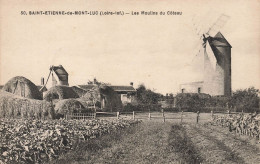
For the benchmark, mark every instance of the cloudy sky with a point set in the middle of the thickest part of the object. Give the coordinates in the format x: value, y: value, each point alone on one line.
x: 154, y: 50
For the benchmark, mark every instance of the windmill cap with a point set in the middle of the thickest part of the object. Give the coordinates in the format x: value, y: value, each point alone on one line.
x: 220, y: 41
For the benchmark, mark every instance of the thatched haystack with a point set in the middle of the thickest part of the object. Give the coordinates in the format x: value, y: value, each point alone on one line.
x: 92, y: 98
x: 60, y: 92
x: 12, y: 106
x: 103, y: 97
x: 93, y: 94
x: 112, y: 99
x: 22, y: 86
x: 81, y: 92
x: 69, y: 106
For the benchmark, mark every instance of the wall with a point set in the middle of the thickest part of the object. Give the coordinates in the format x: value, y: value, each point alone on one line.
x: 192, y: 87
x: 226, y: 66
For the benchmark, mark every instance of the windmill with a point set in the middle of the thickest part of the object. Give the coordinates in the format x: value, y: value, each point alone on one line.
x: 204, y: 34
x: 215, y: 51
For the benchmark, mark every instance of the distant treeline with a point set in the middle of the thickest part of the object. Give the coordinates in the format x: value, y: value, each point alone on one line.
x: 245, y: 100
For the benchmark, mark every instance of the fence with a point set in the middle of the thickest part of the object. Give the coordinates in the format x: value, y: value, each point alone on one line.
x: 189, y: 117
x: 80, y: 116
x: 163, y: 116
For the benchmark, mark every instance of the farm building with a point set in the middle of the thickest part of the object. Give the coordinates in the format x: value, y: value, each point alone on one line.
x: 126, y: 93
x: 110, y: 94
x: 104, y: 96
x: 217, y: 68
x: 59, y: 76
x: 23, y: 87
x: 193, y: 87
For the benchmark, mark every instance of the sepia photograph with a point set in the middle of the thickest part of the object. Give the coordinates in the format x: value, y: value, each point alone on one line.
x: 128, y: 81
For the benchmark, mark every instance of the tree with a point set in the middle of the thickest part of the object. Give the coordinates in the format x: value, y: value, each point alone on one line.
x: 246, y: 99
x: 147, y: 97
x: 191, y: 101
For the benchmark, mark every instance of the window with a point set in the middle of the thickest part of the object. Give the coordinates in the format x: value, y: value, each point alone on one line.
x: 199, y: 90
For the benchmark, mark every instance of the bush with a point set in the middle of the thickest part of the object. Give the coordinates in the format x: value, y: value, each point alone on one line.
x: 172, y: 109
x: 141, y: 107
x: 191, y: 102
x: 246, y: 100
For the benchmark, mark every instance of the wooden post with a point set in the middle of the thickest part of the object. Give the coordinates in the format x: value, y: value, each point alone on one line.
x: 149, y: 116
x: 163, y: 115
x: 181, y: 116
x: 133, y: 115
x: 212, y: 114
x: 229, y: 113
x: 95, y: 113
x: 117, y: 115
x: 162, y: 112
x: 198, y: 115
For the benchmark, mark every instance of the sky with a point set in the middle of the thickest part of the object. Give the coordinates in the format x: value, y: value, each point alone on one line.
x: 157, y: 51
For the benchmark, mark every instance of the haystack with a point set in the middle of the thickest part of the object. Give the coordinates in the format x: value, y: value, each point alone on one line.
x: 81, y: 92
x: 22, y: 86
x: 92, y: 98
x: 12, y: 106
x: 69, y: 106
x: 60, y: 92
x: 112, y: 99
x: 104, y: 97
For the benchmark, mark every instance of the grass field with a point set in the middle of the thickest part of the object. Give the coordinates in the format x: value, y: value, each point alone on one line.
x: 169, y: 142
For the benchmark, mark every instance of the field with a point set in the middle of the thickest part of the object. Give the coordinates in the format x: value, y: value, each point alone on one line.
x: 116, y: 141
x: 36, y: 141
x: 155, y: 141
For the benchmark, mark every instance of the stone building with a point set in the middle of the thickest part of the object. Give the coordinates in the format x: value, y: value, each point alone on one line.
x: 126, y: 93
x: 59, y: 76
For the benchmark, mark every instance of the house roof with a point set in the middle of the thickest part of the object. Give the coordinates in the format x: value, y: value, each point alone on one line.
x: 87, y: 87
x: 219, y: 41
x: 60, y: 72
x: 123, y: 88
x: 118, y: 89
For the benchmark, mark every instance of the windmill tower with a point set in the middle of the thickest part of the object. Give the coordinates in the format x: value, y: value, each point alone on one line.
x: 216, y: 54
x: 217, y: 65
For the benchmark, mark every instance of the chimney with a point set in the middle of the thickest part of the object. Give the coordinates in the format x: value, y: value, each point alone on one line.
x: 132, y: 84
x: 42, y: 81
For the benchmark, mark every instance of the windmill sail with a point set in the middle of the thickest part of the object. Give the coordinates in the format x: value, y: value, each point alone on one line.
x: 211, y: 56
x: 221, y: 21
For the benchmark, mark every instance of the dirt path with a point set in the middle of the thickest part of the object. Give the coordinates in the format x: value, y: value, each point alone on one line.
x: 156, y: 142
x: 239, y: 147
